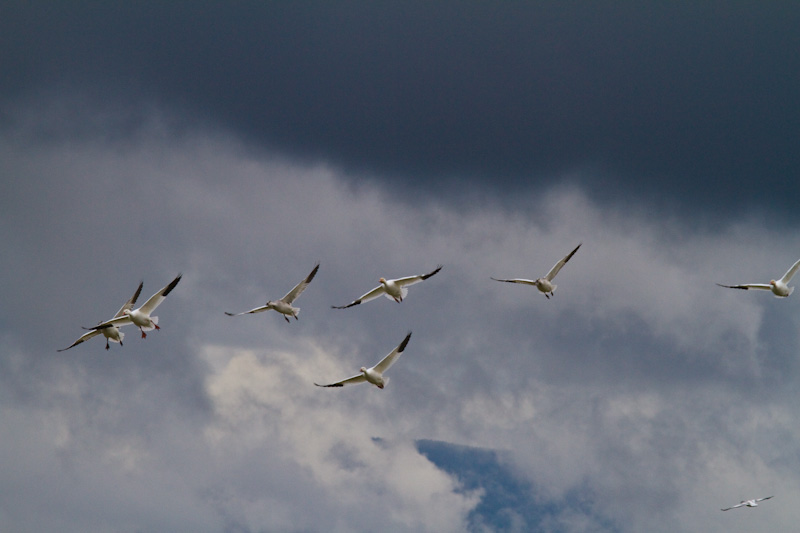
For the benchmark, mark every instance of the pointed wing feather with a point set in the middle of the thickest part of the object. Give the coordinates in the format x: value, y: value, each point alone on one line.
x: 387, y: 361
x: 371, y: 295
x: 355, y: 379
x: 762, y: 286
x: 300, y: 287
x: 130, y: 303
x: 791, y: 272
x: 85, y: 337
x: 762, y: 499
x: 156, y: 299
x: 553, y: 271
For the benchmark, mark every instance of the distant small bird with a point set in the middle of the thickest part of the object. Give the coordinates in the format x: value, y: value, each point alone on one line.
x: 141, y: 317
x: 545, y: 284
x: 284, y: 305
x: 374, y: 375
x: 111, y: 333
x: 394, y: 289
x: 747, y: 503
x: 779, y: 288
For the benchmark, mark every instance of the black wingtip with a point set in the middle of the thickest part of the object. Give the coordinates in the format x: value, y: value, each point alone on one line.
x: 230, y: 314
x: 332, y: 385
x: 429, y: 274
x: 173, y: 283
x: 138, y: 292
x: 345, y: 306
x: 572, y: 253
x: 313, y: 273
x: 404, y: 343
x: 733, y: 286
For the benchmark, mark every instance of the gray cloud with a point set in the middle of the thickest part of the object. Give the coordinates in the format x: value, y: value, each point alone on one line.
x: 686, y: 106
x: 641, y: 382
x: 241, y: 147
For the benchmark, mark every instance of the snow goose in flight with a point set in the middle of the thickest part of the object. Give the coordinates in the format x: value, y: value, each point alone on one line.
x: 545, y: 284
x: 747, y: 503
x: 284, y: 305
x: 374, y: 375
x: 111, y: 333
x: 394, y: 289
x: 141, y: 317
x: 779, y: 287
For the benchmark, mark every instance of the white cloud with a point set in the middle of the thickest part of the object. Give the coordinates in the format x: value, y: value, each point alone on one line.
x: 640, y: 382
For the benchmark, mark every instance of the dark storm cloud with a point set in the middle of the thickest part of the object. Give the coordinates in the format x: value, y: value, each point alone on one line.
x: 692, y: 102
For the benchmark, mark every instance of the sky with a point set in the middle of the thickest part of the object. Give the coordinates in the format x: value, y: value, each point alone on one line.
x: 240, y: 144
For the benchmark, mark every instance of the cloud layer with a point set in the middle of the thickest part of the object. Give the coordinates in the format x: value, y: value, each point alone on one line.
x: 640, y: 397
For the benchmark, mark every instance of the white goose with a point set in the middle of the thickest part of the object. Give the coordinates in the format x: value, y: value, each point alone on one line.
x: 111, y: 333
x: 141, y: 317
x: 374, y: 375
x: 284, y: 305
x: 747, y: 503
x: 545, y: 284
x: 394, y: 289
x: 779, y: 287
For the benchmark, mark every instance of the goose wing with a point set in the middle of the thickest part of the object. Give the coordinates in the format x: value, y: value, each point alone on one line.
x: 733, y: 507
x: 130, y: 303
x: 371, y: 295
x: 156, y: 299
x: 762, y: 499
x: 389, y: 360
x: 791, y: 272
x: 300, y: 287
x: 250, y: 312
x: 410, y: 280
x: 516, y: 280
x: 83, y: 338
x: 553, y: 271
x: 748, y: 286
x: 116, y: 321
x: 360, y: 378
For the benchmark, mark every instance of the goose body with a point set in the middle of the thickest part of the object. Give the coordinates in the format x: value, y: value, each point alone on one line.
x: 544, y: 284
x: 284, y: 305
x: 394, y: 289
x: 141, y: 317
x: 111, y: 333
x: 780, y: 287
x: 374, y: 374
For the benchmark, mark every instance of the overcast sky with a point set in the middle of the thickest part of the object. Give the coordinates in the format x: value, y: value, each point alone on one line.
x: 239, y: 144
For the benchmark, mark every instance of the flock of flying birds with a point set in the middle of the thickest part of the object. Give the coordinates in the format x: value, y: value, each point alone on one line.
x: 394, y: 289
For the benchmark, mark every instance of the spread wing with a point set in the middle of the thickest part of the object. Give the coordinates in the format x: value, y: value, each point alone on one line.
x: 355, y: 379
x: 762, y: 499
x: 410, y: 280
x: 762, y: 286
x: 256, y: 310
x: 791, y: 272
x: 371, y: 295
x: 516, y: 280
x: 387, y: 361
x: 156, y: 299
x: 85, y: 337
x: 116, y: 321
x: 300, y: 287
x: 130, y: 303
x: 553, y: 271
x: 734, y: 507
